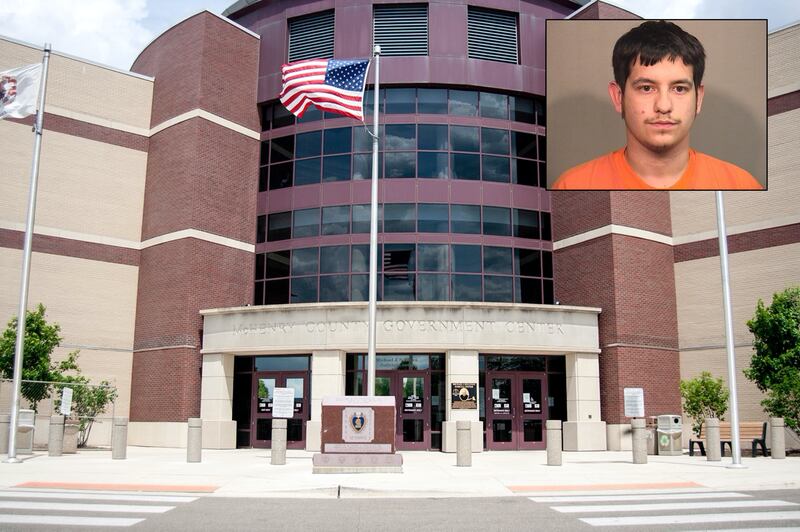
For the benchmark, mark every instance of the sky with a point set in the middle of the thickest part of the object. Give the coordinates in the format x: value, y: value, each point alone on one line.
x: 114, y: 32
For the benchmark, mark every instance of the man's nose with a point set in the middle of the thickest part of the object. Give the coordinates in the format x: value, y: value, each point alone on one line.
x: 663, y: 103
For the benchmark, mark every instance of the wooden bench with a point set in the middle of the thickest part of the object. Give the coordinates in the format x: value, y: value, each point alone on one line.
x: 754, y: 431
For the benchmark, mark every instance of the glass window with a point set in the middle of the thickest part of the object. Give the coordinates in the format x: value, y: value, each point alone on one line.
x: 546, y: 226
x: 432, y: 164
x: 282, y: 363
x: 276, y: 292
x: 362, y: 166
x: 547, y: 264
x: 547, y: 292
x: 433, y: 218
x: 400, y: 164
x: 305, y: 223
x: 399, y: 218
x: 464, y: 138
x: 369, y: 101
x: 335, y: 168
x: 264, y: 157
x: 541, y: 117
x: 308, y: 144
x: 305, y: 261
x: 263, y: 175
x: 526, y: 223
x: 528, y: 290
x: 523, y: 172
x: 523, y: 144
x: 281, y: 116
x: 304, y: 290
x: 463, y: 103
x: 266, y: 117
x: 334, y: 259
x: 260, y: 259
x: 432, y: 101
x: 494, y: 140
x: 312, y: 114
x: 465, y: 219
x: 433, y: 258
x: 497, y: 260
x: 333, y: 288
x: 527, y: 262
x: 280, y: 176
x: 494, y: 105
x: 498, y: 288
x: 542, y: 173
x: 466, y: 166
x: 362, y: 140
x: 261, y: 228
x: 432, y: 137
x: 522, y: 110
x: 401, y: 136
x: 542, y: 147
x: 361, y: 218
x: 433, y: 287
x: 399, y: 258
x: 258, y: 293
x: 467, y: 288
x: 277, y: 264
x: 336, y: 220
x: 359, y: 288
x: 359, y: 260
x: 495, y: 169
x: 306, y: 171
x: 398, y: 287
x: 496, y: 221
x: 279, y: 226
x: 282, y: 148
x: 400, y: 101
x: 337, y: 140
x: 466, y: 258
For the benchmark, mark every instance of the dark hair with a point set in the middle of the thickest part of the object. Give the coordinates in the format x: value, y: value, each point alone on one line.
x: 653, y: 41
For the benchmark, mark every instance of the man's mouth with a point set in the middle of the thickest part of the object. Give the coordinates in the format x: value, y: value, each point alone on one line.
x: 663, y: 124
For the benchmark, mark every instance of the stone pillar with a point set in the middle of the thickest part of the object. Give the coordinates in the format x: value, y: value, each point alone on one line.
x: 328, y: 374
x: 119, y: 438
x: 713, y: 450
x: 460, y: 367
x: 464, y: 444
x: 216, y: 402
x: 55, y: 442
x: 778, y: 438
x: 278, y: 452
x: 639, y: 440
x: 583, y: 430
x: 553, y: 427
x: 194, y: 440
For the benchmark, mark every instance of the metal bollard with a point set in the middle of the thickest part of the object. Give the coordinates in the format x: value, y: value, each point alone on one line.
x: 553, y: 435
x: 778, y: 438
x: 463, y: 443
x: 713, y: 450
x: 194, y: 440
x: 5, y: 424
x: 639, y: 440
x: 55, y: 441
x: 278, y: 454
x: 119, y: 438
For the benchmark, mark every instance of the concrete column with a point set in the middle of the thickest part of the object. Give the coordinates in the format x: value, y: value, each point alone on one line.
x: 553, y: 435
x: 216, y: 401
x: 328, y: 374
x: 464, y: 444
x: 461, y: 366
x: 713, y: 451
x: 194, y: 440
x: 639, y: 440
x: 119, y: 438
x: 278, y: 453
x: 55, y: 441
x: 778, y: 438
x: 583, y: 430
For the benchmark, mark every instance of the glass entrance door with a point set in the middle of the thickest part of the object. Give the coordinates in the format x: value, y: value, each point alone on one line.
x: 412, y: 399
x: 264, y: 384
x: 515, y: 410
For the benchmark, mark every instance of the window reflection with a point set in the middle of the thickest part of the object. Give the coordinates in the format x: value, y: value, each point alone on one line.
x: 306, y: 223
x: 496, y: 221
x: 494, y: 105
x: 401, y: 136
x: 433, y: 257
x: 304, y: 289
x: 336, y: 220
x: 336, y: 168
x: 432, y: 164
x: 433, y: 287
x: 466, y: 288
x: 433, y: 218
x: 494, y: 140
x: 432, y: 101
x: 463, y: 103
x: 304, y: 261
x: 334, y: 259
x: 400, y: 164
x: 432, y: 137
x: 465, y: 219
x: 464, y: 138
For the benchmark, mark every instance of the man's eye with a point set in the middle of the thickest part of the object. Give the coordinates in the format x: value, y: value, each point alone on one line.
x: 681, y: 89
x: 646, y: 88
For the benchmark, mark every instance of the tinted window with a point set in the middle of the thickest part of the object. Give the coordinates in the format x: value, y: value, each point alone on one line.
x: 432, y: 137
x: 308, y: 144
x: 281, y: 117
x: 362, y: 166
x: 522, y: 110
x: 433, y: 218
x: 336, y: 168
x: 546, y: 226
x: 304, y: 290
x: 523, y: 172
x: 306, y: 171
x: 541, y: 141
x: 547, y: 264
x: 498, y: 289
x: 260, y: 259
x: 337, y: 140
x: 464, y: 138
x: 466, y: 287
x: 399, y: 258
x: 466, y: 166
x: 494, y: 105
x: 466, y: 258
x: 277, y: 264
x: 497, y: 260
x: 432, y: 101
x: 463, y: 103
x: 261, y: 228
x: 495, y: 169
x: 305, y: 223
x: 333, y: 288
x: 399, y: 218
x: 496, y: 221
x: 494, y: 140
x: 361, y: 219
x: 282, y: 148
x: 433, y: 287
x: 280, y: 176
x: 359, y: 260
x: 400, y: 101
x: 432, y: 258
x: 336, y: 220
x: 527, y: 262
x: 334, y: 259
x: 279, y: 226
x: 305, y: 261
x: 465, y: 219
x: 398, y: 287
x: 400, y: 164
x: 401, y: 137
x: 264, y: 156
x: 276, y: 292
x: 523, y: 144
x: 432, y: 164
x: 312, y: 114
x: 528, y: 290
x: 526, y: 223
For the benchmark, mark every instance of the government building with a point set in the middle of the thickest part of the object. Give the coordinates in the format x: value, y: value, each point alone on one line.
x: 201, y: 246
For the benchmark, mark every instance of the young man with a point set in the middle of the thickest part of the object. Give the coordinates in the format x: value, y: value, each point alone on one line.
x: 658, y: 90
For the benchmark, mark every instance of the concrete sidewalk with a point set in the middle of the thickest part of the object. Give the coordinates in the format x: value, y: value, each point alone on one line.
x: 247, y: 473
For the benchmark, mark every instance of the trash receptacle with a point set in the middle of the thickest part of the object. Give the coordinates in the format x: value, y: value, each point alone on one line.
x: 652, y: 436
x: 669, y: 429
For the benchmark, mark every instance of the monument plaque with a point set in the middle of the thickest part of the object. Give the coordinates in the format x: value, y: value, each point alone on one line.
x: 464, y: 396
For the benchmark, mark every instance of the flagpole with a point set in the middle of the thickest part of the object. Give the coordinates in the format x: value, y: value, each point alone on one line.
x: 26, y: 264
x: 373, y: 235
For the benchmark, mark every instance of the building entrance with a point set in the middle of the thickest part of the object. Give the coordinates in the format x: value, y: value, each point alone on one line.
x: 264, y: 383
x: 516, y: 410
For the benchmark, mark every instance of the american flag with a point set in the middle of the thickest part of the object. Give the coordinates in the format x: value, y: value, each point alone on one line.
x: 335, y: 85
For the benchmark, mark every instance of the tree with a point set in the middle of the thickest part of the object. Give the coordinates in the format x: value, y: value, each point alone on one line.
x: 88, y: 401
x: 703, y: 397
x: 775, y: 365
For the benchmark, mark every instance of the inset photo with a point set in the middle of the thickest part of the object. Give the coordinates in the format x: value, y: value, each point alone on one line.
x: 656, y: 105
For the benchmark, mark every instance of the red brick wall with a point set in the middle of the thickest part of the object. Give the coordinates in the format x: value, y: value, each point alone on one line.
x: 67, y: 247
x: 763, y: 238
x: 579, y: 212
x: 77, y: 128
x: 170, y: 394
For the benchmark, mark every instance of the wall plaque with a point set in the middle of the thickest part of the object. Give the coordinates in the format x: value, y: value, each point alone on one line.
x: 358, y: 424
x: 464, y: 395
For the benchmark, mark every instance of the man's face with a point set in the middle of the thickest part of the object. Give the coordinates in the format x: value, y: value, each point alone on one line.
x: 659, y: 105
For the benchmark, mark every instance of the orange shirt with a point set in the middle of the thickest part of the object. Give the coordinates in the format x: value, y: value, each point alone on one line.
x: 612, y: 172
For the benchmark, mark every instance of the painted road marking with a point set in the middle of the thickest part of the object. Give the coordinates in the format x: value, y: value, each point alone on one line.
x: 84, y: 507
x: 98, y: 496
x: 641, y: 496
x: 691, y: 519
x: 188, y: 488
x: 655, y: 507
x: 600, y: 487
x: 62, y: 520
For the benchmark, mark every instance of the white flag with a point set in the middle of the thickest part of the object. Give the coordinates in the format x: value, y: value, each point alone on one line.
x: 19, y: 89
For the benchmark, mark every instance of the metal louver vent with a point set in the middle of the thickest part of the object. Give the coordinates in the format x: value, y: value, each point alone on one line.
x: 311, y: 37
x: 401, y: 29
x: 492, y: 35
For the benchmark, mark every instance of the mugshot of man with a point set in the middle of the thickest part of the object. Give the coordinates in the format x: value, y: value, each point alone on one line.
x: 658, y: 91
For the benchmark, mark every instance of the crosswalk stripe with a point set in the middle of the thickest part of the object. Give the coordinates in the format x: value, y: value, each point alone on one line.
x: 618, y: 508
x: 62, y: 520
x: 83, y: 507
x: 55, y: 494
x: 640, y: 496
x: 691, y: 518
x: 566, y: 493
